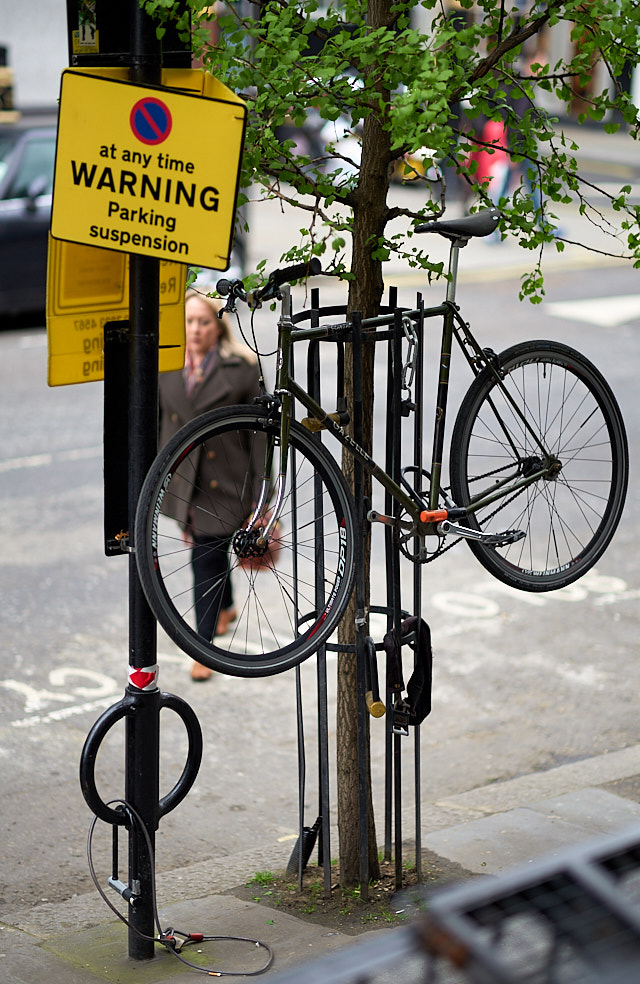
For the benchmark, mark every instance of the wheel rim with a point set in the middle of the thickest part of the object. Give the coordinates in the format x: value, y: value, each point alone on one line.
x: 282, y: 611
x: 565, y: 513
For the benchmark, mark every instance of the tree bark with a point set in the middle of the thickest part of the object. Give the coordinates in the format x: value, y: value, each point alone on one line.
x: 369, y: 219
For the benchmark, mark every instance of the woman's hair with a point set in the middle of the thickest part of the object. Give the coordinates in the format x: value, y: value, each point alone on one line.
x: 228, y: 344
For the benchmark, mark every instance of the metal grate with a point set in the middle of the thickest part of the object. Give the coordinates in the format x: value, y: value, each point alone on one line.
x: 571, y: 919
x: 574, y: 918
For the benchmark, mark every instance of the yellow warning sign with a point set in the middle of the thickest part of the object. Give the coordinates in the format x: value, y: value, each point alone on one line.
x: 148, y: 170
x: 88, y: 287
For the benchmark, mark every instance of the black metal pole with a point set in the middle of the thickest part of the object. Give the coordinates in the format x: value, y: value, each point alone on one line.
x: 142, y: 787
x: 388, y: 557
x: 142, y: 729
x: 418, y: 438
x: 363, y: 721
x: 324, y: 846
x: 390, y: 550
x: 394, y: 571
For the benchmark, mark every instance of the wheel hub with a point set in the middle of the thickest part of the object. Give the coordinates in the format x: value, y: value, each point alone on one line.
x: 554, y: 469
x: 535, y: 464
x: 250, y: 543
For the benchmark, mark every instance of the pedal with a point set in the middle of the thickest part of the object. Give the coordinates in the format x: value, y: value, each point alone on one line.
x: 490, y: 539
x: 502, y: 539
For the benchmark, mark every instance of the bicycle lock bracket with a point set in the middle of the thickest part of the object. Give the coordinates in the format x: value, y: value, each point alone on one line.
x: 140, y: 710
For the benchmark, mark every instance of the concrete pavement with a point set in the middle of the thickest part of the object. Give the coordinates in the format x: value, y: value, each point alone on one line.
x: 486, y: 831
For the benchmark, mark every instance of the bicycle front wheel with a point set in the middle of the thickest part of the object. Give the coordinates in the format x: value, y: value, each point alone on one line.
x: 287, y: 605
x: 552, y: 415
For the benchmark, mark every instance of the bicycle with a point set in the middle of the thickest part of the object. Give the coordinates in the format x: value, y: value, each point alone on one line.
x: 538, y: 468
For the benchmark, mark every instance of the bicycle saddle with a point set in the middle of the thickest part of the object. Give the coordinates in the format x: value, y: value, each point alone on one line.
x: 481, y: 224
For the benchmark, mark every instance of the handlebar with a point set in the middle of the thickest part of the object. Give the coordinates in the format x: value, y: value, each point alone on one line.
x: 288, y: 275
x: 234, y: 289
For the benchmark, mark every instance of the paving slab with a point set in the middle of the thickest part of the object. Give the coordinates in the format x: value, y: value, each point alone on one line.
x: 594, y: 810
x: 99, y: 953
x: 494, y: 843
x: 573, y: 776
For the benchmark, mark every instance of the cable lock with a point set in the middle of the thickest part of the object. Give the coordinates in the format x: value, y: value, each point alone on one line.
x: 168, y: 937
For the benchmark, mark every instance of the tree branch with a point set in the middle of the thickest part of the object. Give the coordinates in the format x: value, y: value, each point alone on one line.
x: 517, y: 37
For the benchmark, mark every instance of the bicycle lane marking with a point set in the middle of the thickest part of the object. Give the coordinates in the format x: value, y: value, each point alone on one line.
x: 98, y: 689
x: 477, y: 607
x: 473, y: 615
x: 65, y: 684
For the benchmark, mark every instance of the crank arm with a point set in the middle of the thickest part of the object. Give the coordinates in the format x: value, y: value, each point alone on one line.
x: 491, y: 539
x: 374, y: 516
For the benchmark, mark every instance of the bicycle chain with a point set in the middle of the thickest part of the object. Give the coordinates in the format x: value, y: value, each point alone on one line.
x: 442, y: 549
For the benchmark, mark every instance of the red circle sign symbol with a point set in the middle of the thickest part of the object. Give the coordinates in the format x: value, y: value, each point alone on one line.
x: 150, y: 120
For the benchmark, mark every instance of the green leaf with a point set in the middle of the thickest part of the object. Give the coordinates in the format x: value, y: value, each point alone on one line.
x: 404, y: 86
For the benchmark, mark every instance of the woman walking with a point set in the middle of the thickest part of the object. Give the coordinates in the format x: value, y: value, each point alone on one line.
x: 218, y: 372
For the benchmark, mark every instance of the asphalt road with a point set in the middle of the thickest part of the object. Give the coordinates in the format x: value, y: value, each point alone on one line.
x: 522, y: 682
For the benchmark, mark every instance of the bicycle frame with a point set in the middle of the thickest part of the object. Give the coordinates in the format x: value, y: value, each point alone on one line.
x: 424, y: 521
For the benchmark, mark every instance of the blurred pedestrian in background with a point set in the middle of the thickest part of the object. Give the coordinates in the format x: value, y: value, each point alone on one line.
x: 218, y: 372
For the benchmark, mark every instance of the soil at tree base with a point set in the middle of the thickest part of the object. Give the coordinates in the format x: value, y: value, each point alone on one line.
x: 344, y: 911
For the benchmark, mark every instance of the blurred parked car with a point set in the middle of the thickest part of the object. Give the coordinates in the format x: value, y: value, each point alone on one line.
x: 27, y: 154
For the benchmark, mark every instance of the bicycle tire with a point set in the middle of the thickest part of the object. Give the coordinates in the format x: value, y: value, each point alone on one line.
x: 569, y: 517
x: 284, y: 612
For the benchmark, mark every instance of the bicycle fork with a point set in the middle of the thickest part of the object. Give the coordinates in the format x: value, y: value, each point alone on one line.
x: 270, y: 502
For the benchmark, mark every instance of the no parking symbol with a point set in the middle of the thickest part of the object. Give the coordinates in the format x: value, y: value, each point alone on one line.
x: 150, y: 120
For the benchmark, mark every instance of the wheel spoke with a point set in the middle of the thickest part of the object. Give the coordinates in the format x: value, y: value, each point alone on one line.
x: 568, y: 515
x: 284, y: 607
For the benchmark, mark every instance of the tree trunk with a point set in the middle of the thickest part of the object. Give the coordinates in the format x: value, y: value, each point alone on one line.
x: 365, y: 293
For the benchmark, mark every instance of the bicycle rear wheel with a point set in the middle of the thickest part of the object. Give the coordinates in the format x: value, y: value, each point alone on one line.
x: 573, y: 432
x: 287, y: 607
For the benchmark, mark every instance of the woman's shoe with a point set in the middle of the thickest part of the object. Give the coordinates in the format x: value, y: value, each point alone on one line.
x: 225, y: 618
x: 200, y: 672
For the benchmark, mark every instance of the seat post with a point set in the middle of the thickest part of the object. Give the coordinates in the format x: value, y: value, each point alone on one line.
x: 454, y: 252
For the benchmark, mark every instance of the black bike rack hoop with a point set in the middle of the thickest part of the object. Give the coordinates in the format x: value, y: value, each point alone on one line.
x: 387, y: 328
x: 128, y: 706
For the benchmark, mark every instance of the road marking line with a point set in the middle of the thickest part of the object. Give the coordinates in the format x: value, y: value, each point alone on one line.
x: 606, y: 312
x: 33, y: 461
x: 44, y: 460
x: 65, y: 712
x: 513, y: 267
